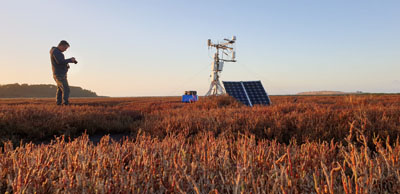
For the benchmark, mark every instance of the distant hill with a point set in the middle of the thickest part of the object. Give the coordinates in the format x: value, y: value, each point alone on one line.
x: 327, y: 93
x: 39, y: 91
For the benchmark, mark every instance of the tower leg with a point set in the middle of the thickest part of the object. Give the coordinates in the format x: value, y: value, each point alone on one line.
x: 216, y: 89
x: 210, y: 91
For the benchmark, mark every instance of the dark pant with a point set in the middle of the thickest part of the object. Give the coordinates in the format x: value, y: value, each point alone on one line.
x: 62, y: 89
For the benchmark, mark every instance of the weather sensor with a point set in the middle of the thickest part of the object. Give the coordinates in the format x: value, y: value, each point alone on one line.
x: 225, y: 52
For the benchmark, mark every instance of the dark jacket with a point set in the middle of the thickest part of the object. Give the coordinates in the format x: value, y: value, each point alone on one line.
x: 58, y: 62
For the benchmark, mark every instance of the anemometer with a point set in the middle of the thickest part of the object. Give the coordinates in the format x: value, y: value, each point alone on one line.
x: 225, y: 52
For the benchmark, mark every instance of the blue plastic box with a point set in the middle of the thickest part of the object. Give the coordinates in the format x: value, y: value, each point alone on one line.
x: 189, y: 98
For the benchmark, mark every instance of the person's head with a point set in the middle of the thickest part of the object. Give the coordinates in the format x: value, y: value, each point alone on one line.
x: 63, y: 45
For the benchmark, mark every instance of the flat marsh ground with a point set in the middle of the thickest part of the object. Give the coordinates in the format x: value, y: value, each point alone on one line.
x: 300, y: 144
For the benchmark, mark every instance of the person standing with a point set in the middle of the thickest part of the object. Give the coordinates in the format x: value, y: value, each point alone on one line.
x: 60, y: 67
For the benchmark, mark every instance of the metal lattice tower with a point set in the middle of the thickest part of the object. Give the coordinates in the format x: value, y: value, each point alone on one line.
x: 227, y: 49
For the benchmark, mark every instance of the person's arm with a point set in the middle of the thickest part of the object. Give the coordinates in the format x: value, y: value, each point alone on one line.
x: 60, y: 59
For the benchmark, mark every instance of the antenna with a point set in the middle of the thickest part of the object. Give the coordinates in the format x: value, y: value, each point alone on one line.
x: 227, y: 49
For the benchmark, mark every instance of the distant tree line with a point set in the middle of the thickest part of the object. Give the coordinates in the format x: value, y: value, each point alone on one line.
x: 39, y: 91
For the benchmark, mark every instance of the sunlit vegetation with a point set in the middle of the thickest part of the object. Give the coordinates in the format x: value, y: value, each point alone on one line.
x: 303, y: 144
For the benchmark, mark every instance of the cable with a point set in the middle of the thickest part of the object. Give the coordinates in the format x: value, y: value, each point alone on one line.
x: 190, y: 78
x: 262, y: 77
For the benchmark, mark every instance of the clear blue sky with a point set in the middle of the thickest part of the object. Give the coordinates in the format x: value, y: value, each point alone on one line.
x: 146, y: 48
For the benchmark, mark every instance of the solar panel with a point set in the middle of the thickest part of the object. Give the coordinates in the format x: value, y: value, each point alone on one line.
x: 236, y: 90
x: 247, y: 92
x: 256, y: 92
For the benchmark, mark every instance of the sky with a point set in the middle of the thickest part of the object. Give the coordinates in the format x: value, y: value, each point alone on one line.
x: 159, y: 48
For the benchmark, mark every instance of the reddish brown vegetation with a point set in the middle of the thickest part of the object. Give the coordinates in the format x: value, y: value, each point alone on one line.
x: 215, y: 145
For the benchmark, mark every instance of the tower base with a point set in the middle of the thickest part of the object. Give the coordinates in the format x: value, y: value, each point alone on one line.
x: 216, y: 89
